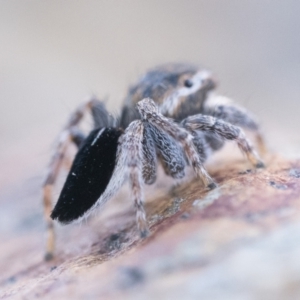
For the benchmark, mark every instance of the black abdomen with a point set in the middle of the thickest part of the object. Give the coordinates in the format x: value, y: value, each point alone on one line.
x: 89, y: 176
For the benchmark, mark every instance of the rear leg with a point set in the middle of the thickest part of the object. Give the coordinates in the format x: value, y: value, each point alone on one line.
x: 70, y: 134
x: 67, y: 136
x: 225, y: 131
x: 223, y: 108
x: 204, y: 145
x: 101, y: 117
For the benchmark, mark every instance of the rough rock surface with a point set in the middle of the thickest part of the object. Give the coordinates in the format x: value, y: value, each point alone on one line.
x: 240, y: 241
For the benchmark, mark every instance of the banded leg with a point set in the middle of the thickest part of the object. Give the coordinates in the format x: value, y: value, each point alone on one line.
x: 203, y: 146
x: 149, y: 157
x: 223, y: 108
x: 169, y: 152
x: 132, y: 145
x: 225, y: 131
x: 70, y: 134
x: 58, y: 160
x: 150, y: 114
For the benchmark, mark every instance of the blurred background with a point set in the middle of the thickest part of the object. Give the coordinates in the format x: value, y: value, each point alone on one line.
x: 53, y: 54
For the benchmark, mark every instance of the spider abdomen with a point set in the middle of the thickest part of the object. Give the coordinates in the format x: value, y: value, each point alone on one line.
x: 89, y: 176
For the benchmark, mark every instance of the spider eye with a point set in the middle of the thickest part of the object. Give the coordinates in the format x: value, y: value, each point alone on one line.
x: 188, y: 83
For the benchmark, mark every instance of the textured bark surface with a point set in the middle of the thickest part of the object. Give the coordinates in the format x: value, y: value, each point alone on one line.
x: 240, y: 241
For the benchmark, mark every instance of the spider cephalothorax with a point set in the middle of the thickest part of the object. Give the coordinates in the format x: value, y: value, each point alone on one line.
x: 171, y: 116
x: 178, y: 89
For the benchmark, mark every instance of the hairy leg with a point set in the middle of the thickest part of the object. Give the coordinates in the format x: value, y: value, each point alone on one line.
x: 225, y: 131
x: 149, y: 112
x: 149, y: 157
x: 128, y: 164
x: 202, y: 144
x: 101, y: 117
x: 132, y: 146
x: 70, y: 134
x: 169, y: 152
x: 58, y: 160
x: 223, y: 108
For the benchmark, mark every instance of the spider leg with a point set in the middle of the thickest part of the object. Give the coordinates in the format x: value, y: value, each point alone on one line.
x: 136, y: 162
x: 203, y: 146
x: 223, y: 108
x: 169, y: 152
x: 101, y: 117
x: 149, y: 112
x: 70, y: 134
x: 225, y: 131
x: 149, y: 157
x: 132, y: 145
x: 67, y: 136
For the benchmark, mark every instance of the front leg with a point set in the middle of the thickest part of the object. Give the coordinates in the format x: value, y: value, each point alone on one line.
x: 132, y: 147
x: 224, y: 108
x: 151, y: 115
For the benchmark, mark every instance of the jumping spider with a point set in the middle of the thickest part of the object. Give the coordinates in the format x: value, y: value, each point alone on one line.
x: 171, y: 115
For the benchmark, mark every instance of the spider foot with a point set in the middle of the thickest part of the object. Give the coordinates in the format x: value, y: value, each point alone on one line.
x: 144, y: 233
x: 260, y: 165
x: 48, y: 256
x: 255, y: 160
x: 212, y: 186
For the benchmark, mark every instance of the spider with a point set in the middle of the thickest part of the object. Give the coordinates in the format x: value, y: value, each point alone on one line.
x: 171, y: 115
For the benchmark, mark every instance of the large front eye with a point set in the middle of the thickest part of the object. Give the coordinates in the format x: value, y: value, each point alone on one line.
x: 188, y: 83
